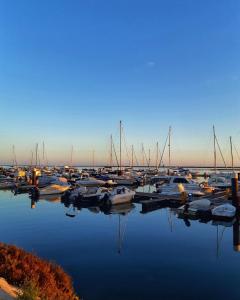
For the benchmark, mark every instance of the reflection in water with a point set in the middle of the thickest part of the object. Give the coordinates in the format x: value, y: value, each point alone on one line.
x: 86, y: 243
x: 122, y: 210
x: 236, y: 235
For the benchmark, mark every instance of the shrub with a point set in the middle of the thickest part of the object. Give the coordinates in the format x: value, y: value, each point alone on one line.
x: 46, y: 279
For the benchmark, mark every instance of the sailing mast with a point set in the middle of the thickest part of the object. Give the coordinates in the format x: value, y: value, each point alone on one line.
x: 31, y: 158
x: 157, y: 156
x: 120, y: 146
x: 132, y: 156
x: 111, y: 151
x: 169, y: 146
x: 14, y: 156
x: 43, y: 154
x: 36, y: 154
x: 93, y: 159
x: 214, y: 149
x: 143, y: 159
x: 71, y: 156
x: 149, y: 158
x: 231, y: 151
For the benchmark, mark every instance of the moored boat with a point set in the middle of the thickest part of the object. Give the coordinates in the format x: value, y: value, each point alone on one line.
x: 225, y: 210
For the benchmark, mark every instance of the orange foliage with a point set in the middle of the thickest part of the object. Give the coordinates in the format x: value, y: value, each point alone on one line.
x: 18, y: 266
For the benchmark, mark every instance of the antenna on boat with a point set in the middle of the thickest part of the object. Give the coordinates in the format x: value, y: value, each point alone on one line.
x: 231, y: 151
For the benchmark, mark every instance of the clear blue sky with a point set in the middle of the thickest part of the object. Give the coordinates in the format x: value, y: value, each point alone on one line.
x: 70, y: 70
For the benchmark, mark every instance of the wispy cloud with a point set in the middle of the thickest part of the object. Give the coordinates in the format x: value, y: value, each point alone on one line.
x: 151, y: 64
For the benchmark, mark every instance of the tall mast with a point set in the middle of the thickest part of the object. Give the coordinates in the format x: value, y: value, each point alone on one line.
x: 149, y: 157
x: 214, y: 149
x: 31, y: 158
x: 169, y: 147
x: 36, y: 154
x: 93, y: 159
x: 120, y: 150
x: 143, y: 159
x: 43, y: 154
x: 157, y: 156
x: 71, y: 156
x: 132, y: 156
x: 111, y: 151
x: 231, y: 151
x: 14, y: 156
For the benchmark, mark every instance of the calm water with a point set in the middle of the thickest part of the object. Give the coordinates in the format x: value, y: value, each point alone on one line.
x: 131, y: 256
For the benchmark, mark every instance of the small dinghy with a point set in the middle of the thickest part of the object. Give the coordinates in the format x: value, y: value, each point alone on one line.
x: 224, y: 210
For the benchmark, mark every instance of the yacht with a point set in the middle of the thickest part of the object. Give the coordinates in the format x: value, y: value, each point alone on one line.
x: 174, y: 185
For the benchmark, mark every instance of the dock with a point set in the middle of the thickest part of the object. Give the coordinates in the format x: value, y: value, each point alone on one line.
x: 154, y: 201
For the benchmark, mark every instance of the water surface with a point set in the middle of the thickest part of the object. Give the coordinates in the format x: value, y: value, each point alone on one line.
x: 129, y: 255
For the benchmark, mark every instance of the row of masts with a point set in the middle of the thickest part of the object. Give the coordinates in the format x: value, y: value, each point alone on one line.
x: 215, y: 145
x: 133, y: 153
x: 132, y: 159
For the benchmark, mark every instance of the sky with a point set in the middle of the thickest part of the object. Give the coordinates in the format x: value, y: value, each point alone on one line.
x: 70, y: 70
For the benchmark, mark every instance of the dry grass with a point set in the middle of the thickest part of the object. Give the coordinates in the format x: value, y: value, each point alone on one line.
x: 19, y: 267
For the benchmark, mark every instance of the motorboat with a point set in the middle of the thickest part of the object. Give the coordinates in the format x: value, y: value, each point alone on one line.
x: 88, y: 194
x: 125, y: 180
x: 120, y: 194
x: 90, y: 181
x: 52, y: 189
x: 175, y: 185
x: 220, y: 181
x: 225, y: 210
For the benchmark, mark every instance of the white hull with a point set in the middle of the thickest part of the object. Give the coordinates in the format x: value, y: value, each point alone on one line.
x: 53, y: 190
x: 121, y: 195
x: 224, y: 210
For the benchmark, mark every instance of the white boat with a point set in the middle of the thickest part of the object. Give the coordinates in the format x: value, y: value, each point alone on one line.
x: 45, y: 180
x: 224, y: 210
x: 120, y: 195
x: 220, y: 181
x: 87, y: 194
x: 175, y: 185
x: 125, y: 179
x: 52, y: 189
x: 201, y: 204
x: 90, y: 181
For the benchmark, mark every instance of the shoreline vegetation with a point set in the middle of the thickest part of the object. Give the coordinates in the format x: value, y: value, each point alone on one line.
x: 27, y: 277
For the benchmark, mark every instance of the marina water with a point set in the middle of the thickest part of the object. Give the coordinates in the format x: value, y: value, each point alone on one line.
x: 125, y: 254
